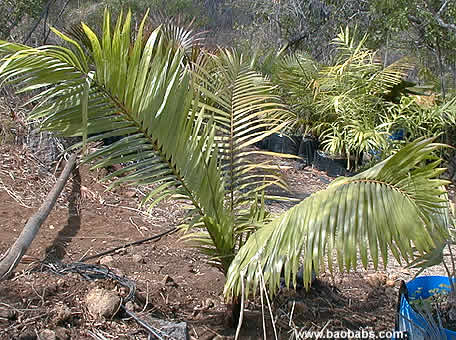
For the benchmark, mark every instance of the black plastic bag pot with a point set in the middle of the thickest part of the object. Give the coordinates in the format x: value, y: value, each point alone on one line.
x: 307, y: 149
x: 409, y: 320
x: 280, y: 143
x: 332, y: 166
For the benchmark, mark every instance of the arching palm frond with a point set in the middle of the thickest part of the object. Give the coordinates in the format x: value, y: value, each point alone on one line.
x: 184, y: 130
x: 141, y: 92
x: 396, y: 206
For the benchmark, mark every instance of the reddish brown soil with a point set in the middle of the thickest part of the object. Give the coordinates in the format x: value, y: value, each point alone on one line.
x: 174, y: 282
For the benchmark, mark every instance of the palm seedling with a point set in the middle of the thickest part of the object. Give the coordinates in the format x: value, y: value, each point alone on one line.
x: 187, y: 124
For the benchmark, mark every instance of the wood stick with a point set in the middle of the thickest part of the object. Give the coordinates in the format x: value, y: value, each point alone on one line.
x: 12, y: 257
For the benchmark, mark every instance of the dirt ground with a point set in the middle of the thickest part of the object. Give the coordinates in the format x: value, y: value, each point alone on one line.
x: 173, y: 282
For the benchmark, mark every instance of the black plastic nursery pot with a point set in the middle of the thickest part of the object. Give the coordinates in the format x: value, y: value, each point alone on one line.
x: 333, y: 166
x: 281, y: 143
x: 411, y: 321
x: 304, y: 147
x: 307, y: 149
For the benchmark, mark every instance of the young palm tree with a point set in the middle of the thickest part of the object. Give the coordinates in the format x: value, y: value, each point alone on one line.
x: 343, y: 103
x: 187, y: 122
x: 187, y: 128
x: 351, y: 96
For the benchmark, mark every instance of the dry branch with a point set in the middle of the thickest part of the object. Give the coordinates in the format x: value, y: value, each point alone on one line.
x: 12, y: 257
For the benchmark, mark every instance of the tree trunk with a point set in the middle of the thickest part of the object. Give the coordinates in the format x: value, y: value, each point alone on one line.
x: 12, y: 257
x: 441, y: 70
x: 233, y: 312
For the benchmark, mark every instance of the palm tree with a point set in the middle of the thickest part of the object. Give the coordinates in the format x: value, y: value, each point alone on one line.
x: 343, y: 103
x: 187, y: 124
x: 187, y: 121
x: 399, y: 205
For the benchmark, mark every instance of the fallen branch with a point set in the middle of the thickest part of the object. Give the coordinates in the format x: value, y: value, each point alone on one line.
x: 110, y: 251
x: 12, y: 257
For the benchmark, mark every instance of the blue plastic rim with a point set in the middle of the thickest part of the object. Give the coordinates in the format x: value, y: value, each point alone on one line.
x: 421, y: 287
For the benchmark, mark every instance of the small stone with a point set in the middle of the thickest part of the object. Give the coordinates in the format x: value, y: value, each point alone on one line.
x: 102, y: 302
x: 209, y: 303
x: 106, y: 260
x: 138, y: 258
x: 51, y: 227
x: 172, y: 330
x: 47, y: 334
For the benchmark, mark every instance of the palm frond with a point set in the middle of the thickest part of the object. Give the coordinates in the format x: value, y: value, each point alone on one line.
x: 183, y: 132
x: 142, y: 92
x: 245, y: 110
x: 395, y: 206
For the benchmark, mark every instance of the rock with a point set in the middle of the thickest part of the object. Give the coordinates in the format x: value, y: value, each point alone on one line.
x: 102, y: 302
x: 173, y: 330
x: 106, y: 260
x: 138, y: 258
x: 47, y: 334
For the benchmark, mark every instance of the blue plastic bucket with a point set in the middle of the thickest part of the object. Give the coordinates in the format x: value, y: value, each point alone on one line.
x: 412, y: 322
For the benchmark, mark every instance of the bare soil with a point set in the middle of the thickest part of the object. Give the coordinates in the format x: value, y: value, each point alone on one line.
x: 173, y: 282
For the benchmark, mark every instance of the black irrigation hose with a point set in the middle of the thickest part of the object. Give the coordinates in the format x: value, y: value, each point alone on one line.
x: 84, y: 259
x: 93, y: 272
x: 152, y: 331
